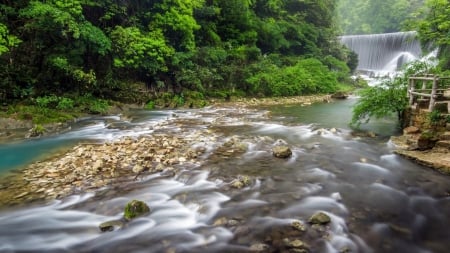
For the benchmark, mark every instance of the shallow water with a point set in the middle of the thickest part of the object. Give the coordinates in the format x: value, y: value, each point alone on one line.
x: 377, y: 201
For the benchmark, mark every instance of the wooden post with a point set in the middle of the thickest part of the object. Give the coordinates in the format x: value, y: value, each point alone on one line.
x: 424, y: 86
x: 433, y: 93
x: 410, y: 90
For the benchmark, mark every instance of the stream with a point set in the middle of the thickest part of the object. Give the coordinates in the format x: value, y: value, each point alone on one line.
x: 377, y: 201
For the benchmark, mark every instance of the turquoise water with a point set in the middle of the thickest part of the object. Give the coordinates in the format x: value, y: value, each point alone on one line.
x: 333, y: 115
x: 17, y: 154
x: 20, y: 153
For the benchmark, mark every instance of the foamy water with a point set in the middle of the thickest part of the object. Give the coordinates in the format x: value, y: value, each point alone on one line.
x: 377, y: 201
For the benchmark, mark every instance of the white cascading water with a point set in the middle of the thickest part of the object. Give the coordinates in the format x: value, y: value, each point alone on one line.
x: 383, y: 54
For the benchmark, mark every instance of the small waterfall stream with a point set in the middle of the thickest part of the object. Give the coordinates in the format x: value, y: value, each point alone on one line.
x: 379, y: 54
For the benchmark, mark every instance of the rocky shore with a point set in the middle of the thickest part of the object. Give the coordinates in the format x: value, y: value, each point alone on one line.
x: 88, y: 167
x: 433, y: 153
x: 92, y: 166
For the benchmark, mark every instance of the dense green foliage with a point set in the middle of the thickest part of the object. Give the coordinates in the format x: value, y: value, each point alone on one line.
x: 53, y: 52
x: 375, y: 16
x: 434, y: 28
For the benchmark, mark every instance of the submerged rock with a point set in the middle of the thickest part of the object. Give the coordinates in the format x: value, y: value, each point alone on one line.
x: 282, y: 151
x: 241, y: 182
x: 109, y: 226
x: 259, y: 247
x: 298, y: 225
x: 135, y: 208
x: 296, y: 245
x: 320, y: 218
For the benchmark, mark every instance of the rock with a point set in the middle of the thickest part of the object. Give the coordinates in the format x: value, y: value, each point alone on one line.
x: 401, y: 230
x: 426, y: 140
x: 281, y: 151
x: 135, y: 208
x: 258, y: 247
x: 240, y: 182
x: 36, y: 131
x: 220, y: 222
x: 232, y: 223
x: 297, y: 245
x: 345, y: 249
x: 339, y: 95
x: 237, y: 184
x: 411, y: 130
x: 98, y: 164
x: 320, y: 218
x: 298, y: 225
x: 109, y: 226
x: 138, y: 169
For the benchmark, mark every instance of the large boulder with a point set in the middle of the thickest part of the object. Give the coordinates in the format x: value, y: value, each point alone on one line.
x: 135, y: 208
x: 282, y: 151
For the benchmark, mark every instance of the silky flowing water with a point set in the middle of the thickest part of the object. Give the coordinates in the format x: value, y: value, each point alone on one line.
x: 377, y: 201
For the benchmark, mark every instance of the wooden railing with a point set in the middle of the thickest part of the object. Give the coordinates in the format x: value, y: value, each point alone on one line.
x: 433, y: 90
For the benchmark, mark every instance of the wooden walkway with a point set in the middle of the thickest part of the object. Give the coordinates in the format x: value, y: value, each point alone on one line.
x: 429, y: 92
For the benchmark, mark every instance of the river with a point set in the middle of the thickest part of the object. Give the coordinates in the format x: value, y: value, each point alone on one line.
x: 377, y: 201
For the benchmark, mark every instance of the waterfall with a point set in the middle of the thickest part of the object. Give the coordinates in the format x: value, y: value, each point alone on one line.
x: 383, y: 53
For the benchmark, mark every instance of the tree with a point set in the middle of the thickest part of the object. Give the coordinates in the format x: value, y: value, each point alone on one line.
x: 435, y: 28
x: 7, y: 40
x: 176, y: 19
x: 142, y: 51
x: 388, y: 97
x: 375, y: 16
x: 63, y: 44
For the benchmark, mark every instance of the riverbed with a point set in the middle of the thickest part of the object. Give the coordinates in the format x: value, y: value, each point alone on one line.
x: 376, y: 200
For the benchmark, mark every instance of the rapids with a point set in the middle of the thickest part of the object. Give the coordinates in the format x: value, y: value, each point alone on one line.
x: 377, y: 201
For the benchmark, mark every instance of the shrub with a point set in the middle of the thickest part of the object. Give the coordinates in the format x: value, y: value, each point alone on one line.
x: 150, y: 105
x: 65, y: 104
x: 98, y: 106
x: 307, y: 76
x: 47, y: 101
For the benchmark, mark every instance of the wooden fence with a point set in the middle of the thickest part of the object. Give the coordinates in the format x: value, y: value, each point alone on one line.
x: 428, y: 91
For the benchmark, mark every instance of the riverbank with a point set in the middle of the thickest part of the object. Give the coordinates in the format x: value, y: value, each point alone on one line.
x: 437, y: 157
x: 12, y: 129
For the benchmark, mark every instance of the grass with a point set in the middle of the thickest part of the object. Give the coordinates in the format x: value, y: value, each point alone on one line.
x: 37, y: 114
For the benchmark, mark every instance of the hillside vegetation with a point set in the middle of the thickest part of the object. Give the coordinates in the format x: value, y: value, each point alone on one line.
x: 65, y: 54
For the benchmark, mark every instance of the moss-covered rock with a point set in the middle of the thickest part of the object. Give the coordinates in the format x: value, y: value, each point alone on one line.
x: 241, y: 182
x: 135, y: 208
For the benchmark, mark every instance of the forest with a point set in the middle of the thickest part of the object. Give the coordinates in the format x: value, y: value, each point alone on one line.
x: 377, y: 16
x: 59, y: 54
x: 61, y: 50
